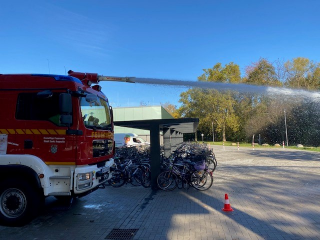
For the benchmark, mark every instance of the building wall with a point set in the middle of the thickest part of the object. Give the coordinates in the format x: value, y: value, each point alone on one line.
x: 139, y: 113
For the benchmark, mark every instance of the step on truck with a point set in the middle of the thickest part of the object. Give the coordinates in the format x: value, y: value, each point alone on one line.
x: 56, y: 139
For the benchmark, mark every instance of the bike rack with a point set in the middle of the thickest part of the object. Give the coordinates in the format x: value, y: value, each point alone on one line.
x: 173, y: 130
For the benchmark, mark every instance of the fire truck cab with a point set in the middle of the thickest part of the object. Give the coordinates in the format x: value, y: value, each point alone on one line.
x: 56, y: 139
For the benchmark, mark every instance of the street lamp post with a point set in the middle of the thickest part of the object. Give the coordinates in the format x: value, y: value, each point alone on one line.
x: 212, y: 133
x: 285, y: 124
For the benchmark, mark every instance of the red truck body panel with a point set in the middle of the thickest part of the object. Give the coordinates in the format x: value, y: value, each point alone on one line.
x: 44, y: 139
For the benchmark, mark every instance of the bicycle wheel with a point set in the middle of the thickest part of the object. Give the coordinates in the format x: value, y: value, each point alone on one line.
x: 146, y: 177
x: 212, y: 162
x: 117, y: 179
x: 215, y: 163
x: 167, y: 181
x: 201, y: 180
x: 136, y: 177
x: 179, y: 182
x: 185, y: 184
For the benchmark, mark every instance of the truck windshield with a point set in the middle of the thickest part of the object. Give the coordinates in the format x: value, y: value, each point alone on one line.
x: 95, y: 114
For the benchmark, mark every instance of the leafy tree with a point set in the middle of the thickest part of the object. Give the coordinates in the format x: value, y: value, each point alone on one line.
x: 238, y: 116
x: 228, y: 74
x: 302, y: 73
x: 211, y: 106
x: 303, y: 124
x: 262, y: 73
x: 221, y: 111
x: 245, y: 108
x: 232, y: 73
x: 267, y: 119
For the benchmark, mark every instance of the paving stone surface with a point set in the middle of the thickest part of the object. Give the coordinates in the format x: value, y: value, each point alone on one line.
x: 274, y: 193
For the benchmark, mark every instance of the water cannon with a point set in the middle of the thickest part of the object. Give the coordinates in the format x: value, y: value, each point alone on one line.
x: 86, y: 78
x: 90, y: 78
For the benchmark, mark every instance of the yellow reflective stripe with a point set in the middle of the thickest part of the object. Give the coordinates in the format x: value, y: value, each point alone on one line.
x: 4, y: 131
x: 43, y: 131
x: 11, y: 131
x: 51, y: 131
x: 61, y: 132
x: 60, y: 163
x: 28, y: 131
x: 35, y: 131
x: 19, y: 131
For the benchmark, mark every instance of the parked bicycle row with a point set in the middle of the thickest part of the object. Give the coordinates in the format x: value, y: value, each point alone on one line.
x: 189, y: 165
x: 132, y: 166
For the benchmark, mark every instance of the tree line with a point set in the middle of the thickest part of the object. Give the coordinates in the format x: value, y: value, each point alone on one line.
x: 235, y: 116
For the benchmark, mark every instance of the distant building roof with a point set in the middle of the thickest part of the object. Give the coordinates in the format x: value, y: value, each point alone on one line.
x: 181, y: 125
x: 138, y: 113
x: 141, y: 113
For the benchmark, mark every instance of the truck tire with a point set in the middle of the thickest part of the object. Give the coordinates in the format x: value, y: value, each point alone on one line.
x: 19, y: 202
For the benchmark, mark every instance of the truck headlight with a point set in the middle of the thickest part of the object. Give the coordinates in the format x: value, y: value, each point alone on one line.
x: 84, y: 176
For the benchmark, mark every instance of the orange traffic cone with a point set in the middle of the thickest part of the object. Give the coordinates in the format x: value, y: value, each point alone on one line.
x: 227, y: 206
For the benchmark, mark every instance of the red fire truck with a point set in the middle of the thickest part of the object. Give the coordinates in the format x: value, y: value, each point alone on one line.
x: 56, y: 139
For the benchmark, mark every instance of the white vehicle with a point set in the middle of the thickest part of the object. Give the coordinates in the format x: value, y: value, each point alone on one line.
x: 129, y: 139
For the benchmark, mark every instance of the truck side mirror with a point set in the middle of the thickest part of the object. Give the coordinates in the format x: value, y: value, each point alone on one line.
x: 66, y: 119
x: 65, y: 103
x: 65, y: 106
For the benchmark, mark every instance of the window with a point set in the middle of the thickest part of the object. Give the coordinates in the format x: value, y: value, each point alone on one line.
x: 96, y: 115
x: 31, y: 107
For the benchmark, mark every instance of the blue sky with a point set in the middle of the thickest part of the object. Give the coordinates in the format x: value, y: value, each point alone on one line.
x: 158, y: 39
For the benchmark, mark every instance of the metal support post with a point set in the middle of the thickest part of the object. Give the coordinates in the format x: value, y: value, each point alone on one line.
x: 167, y: 141
x: 154, y: 154
x: 285, y: 124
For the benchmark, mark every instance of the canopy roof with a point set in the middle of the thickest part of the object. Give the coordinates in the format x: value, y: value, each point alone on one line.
x: 176, y: 126
x: 181, y: 125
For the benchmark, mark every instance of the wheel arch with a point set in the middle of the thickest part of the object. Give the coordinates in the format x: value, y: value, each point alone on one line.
x: 20, y: 172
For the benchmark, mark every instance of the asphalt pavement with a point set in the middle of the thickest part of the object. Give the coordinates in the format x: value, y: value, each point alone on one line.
x: 274, y: 194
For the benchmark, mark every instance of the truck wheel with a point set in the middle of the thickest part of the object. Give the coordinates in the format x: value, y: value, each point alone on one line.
x: 19, y: 202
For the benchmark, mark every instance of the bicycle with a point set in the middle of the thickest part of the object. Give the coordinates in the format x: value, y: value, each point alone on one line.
x: 126, y: 173
x: 185, y: 175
